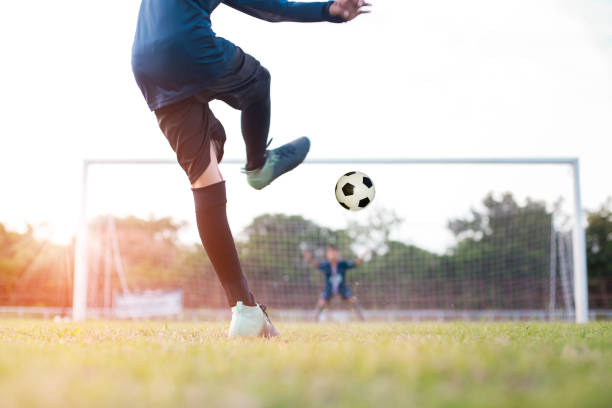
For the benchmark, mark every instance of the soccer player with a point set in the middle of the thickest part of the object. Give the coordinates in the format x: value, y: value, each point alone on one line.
x: 180, y: 65
x: 334, y: 269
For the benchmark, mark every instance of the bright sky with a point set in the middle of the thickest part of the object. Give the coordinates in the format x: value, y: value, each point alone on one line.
x: 429, y: 78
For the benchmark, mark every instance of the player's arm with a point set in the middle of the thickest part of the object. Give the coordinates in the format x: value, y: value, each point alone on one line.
x: 358, y: 261
x: 274, y: 11
x: 309, y: 259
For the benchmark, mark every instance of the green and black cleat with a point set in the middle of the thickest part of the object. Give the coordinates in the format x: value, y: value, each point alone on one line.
x: 278, y: 162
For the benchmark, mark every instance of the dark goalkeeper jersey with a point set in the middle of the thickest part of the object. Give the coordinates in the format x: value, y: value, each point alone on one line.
x: 176, y: 54
x: 335, y: 276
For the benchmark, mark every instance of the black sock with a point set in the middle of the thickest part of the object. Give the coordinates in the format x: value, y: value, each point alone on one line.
x: 217, y: 240
x: 255, y: 128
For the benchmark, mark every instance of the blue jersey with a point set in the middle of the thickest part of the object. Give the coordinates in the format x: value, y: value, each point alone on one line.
x: 337, y: 276
x: 176, y: 54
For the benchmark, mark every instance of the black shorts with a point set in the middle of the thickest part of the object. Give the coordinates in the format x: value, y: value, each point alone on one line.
x: 343, y: 291
x: 190, y: 126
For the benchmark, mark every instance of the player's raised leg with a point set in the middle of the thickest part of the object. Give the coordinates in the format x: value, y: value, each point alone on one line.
x: 246, y: 86
x: 263, y: 166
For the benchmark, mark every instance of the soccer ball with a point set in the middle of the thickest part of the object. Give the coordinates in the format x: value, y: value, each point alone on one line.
x: 355, y: 191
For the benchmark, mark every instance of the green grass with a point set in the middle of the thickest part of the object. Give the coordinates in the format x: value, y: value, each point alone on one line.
x: 123, y: 364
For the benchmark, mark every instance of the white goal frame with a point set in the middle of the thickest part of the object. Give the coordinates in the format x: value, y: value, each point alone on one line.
x: 79, y: 301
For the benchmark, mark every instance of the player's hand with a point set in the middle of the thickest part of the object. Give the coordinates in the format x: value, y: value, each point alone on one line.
x: 307, y: 255
x: 348, y: 9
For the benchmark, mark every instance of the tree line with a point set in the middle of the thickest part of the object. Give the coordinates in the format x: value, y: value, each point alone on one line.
x: 501, y: 259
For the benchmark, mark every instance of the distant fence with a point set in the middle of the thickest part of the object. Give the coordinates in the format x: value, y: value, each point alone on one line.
x: 333, y: 315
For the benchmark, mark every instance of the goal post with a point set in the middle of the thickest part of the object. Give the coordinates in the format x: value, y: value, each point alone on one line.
x: 578, y: 252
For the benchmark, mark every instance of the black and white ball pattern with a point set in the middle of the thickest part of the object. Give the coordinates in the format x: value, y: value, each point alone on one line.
x: 355, y: 191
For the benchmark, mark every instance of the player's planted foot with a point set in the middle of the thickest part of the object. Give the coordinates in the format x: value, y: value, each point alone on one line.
x: 251, y: 321
x: 278, y: 162
x: 269, y: 329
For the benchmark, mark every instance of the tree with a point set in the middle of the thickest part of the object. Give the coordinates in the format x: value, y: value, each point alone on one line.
x: 599, y: 255
x: 400, y: 277
x: 33, y: 272
x: 505, y: 245
x: 375, y: 233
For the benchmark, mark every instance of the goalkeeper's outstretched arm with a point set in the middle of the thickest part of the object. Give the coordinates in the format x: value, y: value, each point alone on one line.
x: 359, y: 260
x: 309, y: 259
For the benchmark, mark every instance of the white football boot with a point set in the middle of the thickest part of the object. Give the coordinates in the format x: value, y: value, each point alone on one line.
x: 251, y: 321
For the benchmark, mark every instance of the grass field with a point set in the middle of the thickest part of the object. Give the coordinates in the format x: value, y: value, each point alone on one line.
x: 124, y: 364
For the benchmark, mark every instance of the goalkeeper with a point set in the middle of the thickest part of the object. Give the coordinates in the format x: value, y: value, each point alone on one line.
x: 334, y: 268
x: 180, y: 65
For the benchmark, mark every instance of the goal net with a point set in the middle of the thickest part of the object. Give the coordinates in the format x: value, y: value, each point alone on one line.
x: 443, y: 239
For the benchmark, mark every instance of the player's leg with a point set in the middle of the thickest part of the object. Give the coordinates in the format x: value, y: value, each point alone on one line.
x: 197, y: 138
x: 246, y: 86
x: 346, y: 294
x: 248, y: 318
x: 353, y: 300
x: 321, y: 304
x: 210, y: 202
x: 255, y: 123
x: 326, y: 296
x: 212, y: 174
